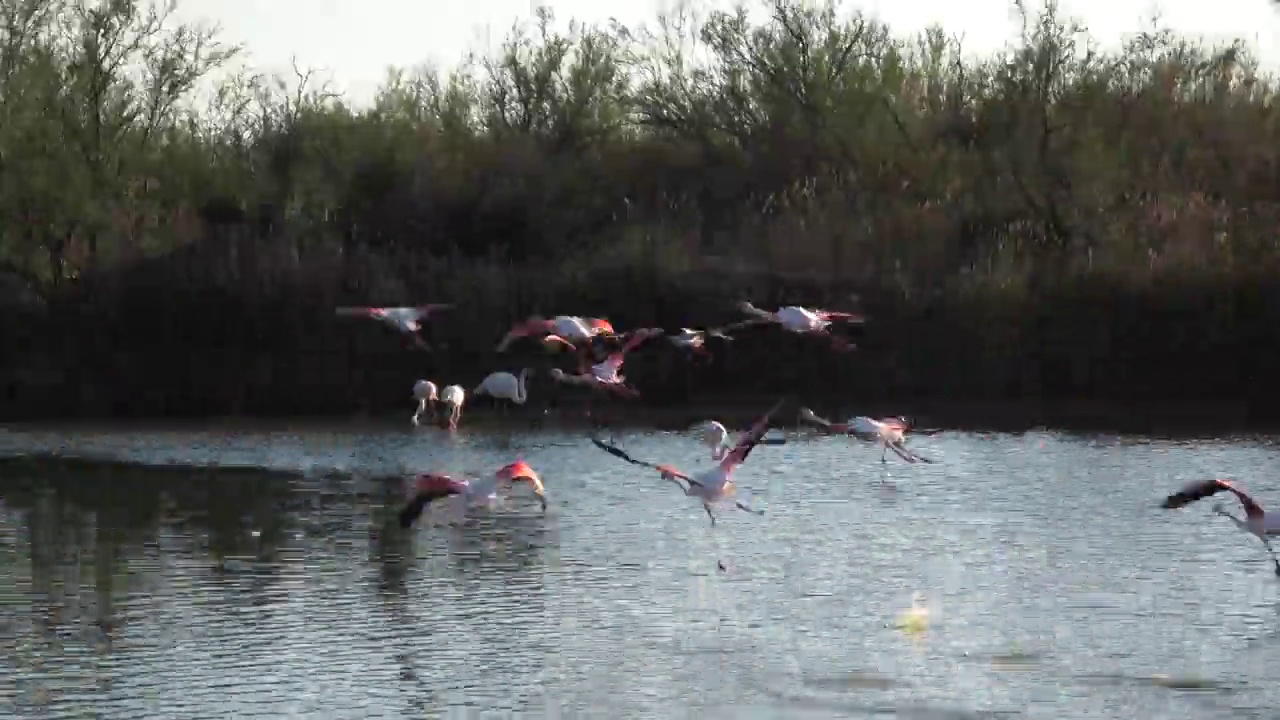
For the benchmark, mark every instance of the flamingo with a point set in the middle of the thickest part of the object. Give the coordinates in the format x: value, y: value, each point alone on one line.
x: 424, y: 391
x: 562, y: 330
x: 715, y: 484
x: 716, y: 437
x: 1257, y: 522
x: 695, y: 341
x: 504, y: 386
x: 890, y: 432
x: 452, y: 398
x: 798, y: 319
x: 407, y: 320
x: 606, y: 375
x: 430, y: 487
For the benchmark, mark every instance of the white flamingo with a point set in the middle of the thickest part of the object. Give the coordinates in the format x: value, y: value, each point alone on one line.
x: 406, y: 320
x: 1257, y: 522
x: 424, y: 391
x: 504, y: 386
x: 563, y: 330
x: 801, y: 320
x: 891, y: 433
x: 429, y: 487
x: 607, y: 375
x: 452, y: 397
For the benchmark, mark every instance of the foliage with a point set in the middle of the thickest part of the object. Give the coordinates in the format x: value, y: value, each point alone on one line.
x: 1055, y: 221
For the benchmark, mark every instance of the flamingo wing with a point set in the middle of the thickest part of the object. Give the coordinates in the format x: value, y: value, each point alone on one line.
x: 750, y: 439
x: 848, y: 317
x: 423, y: 311
x: 622, y: 455
x: 636, y: 337
x: 1200, y: 490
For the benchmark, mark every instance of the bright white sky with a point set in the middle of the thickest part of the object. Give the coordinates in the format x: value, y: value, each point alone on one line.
x: 354, y: 41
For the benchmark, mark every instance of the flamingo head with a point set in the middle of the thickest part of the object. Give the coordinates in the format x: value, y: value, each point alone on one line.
x: 600, y: 326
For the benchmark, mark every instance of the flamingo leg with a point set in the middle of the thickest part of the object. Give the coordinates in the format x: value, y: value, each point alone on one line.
x: 1243, y: 526
x: 1274, y: 560
x: 708, y: 509
x: 751, y: 510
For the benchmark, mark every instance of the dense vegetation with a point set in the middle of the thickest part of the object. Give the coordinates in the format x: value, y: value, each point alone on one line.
x: 1058, y: 221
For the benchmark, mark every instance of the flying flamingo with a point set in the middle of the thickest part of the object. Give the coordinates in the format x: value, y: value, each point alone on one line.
x: 695, y: 341
x: 606, y: 375
x: 430, y: 487
x: 1257, y: 522
x: 424, y: 391
x: 716, y: 437
x: 562, y: 330
x: 407, y: 320
x: 504, y: 386
x: 802, y: 320
x: 890, y: 432
x: 715, y: 484
x: 452, y: 398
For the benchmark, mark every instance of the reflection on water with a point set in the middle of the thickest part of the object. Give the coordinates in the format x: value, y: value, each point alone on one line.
x: 1054, y: 586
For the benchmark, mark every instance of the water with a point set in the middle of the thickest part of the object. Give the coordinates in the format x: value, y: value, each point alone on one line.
x: 1056, y: 587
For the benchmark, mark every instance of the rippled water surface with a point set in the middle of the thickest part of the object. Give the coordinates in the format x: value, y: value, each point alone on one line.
x: 1056, y: 587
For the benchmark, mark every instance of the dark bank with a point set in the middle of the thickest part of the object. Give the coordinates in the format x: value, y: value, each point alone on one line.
x: 1046, y: 236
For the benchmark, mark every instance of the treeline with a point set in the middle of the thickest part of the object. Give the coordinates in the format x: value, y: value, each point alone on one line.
x: 1056, y: 221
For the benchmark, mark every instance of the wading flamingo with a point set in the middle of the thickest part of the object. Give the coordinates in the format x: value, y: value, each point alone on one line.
x: 407, y: 320
x: 424, y: 391
x: 714, y: 485
x: 802, y: 320
x: 1257, y: 522
x: 430, y: 487
x: 607, y: 375
x: 891, y: 433
x: 452, y: 397
x: 716, y: 437
x: 564, y: 330
x: 504, y: 386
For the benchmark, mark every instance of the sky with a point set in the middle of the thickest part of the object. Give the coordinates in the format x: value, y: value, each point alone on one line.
x: 353, y: 42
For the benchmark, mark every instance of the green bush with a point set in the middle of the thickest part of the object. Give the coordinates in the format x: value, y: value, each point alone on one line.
x: 1054, y: 222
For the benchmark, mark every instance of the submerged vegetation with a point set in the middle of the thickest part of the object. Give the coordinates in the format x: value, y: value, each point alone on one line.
x: 1055, y: 221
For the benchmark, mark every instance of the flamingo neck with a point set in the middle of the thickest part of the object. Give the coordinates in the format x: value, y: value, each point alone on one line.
x: 521, y: 392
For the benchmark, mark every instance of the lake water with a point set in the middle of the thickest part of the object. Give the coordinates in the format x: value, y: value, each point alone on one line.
x: 1056, y: 587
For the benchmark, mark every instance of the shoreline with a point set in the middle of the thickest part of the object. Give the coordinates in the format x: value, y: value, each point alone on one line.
x: 1156, y: 419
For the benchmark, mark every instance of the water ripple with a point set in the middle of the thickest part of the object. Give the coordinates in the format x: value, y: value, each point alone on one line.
x: 1055, y: 586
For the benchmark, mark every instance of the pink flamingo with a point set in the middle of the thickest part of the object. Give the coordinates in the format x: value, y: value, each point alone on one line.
x: 713, y: 485
x: 407, y: 320
x: 429, y: 487
x: 607, y: 375
x: 890, y: 432
x: 1257, y: 522
x: 796, y: 319
x: 563, y: 330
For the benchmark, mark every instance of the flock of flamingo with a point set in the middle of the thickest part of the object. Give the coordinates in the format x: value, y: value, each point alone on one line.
x: 601, y: 351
